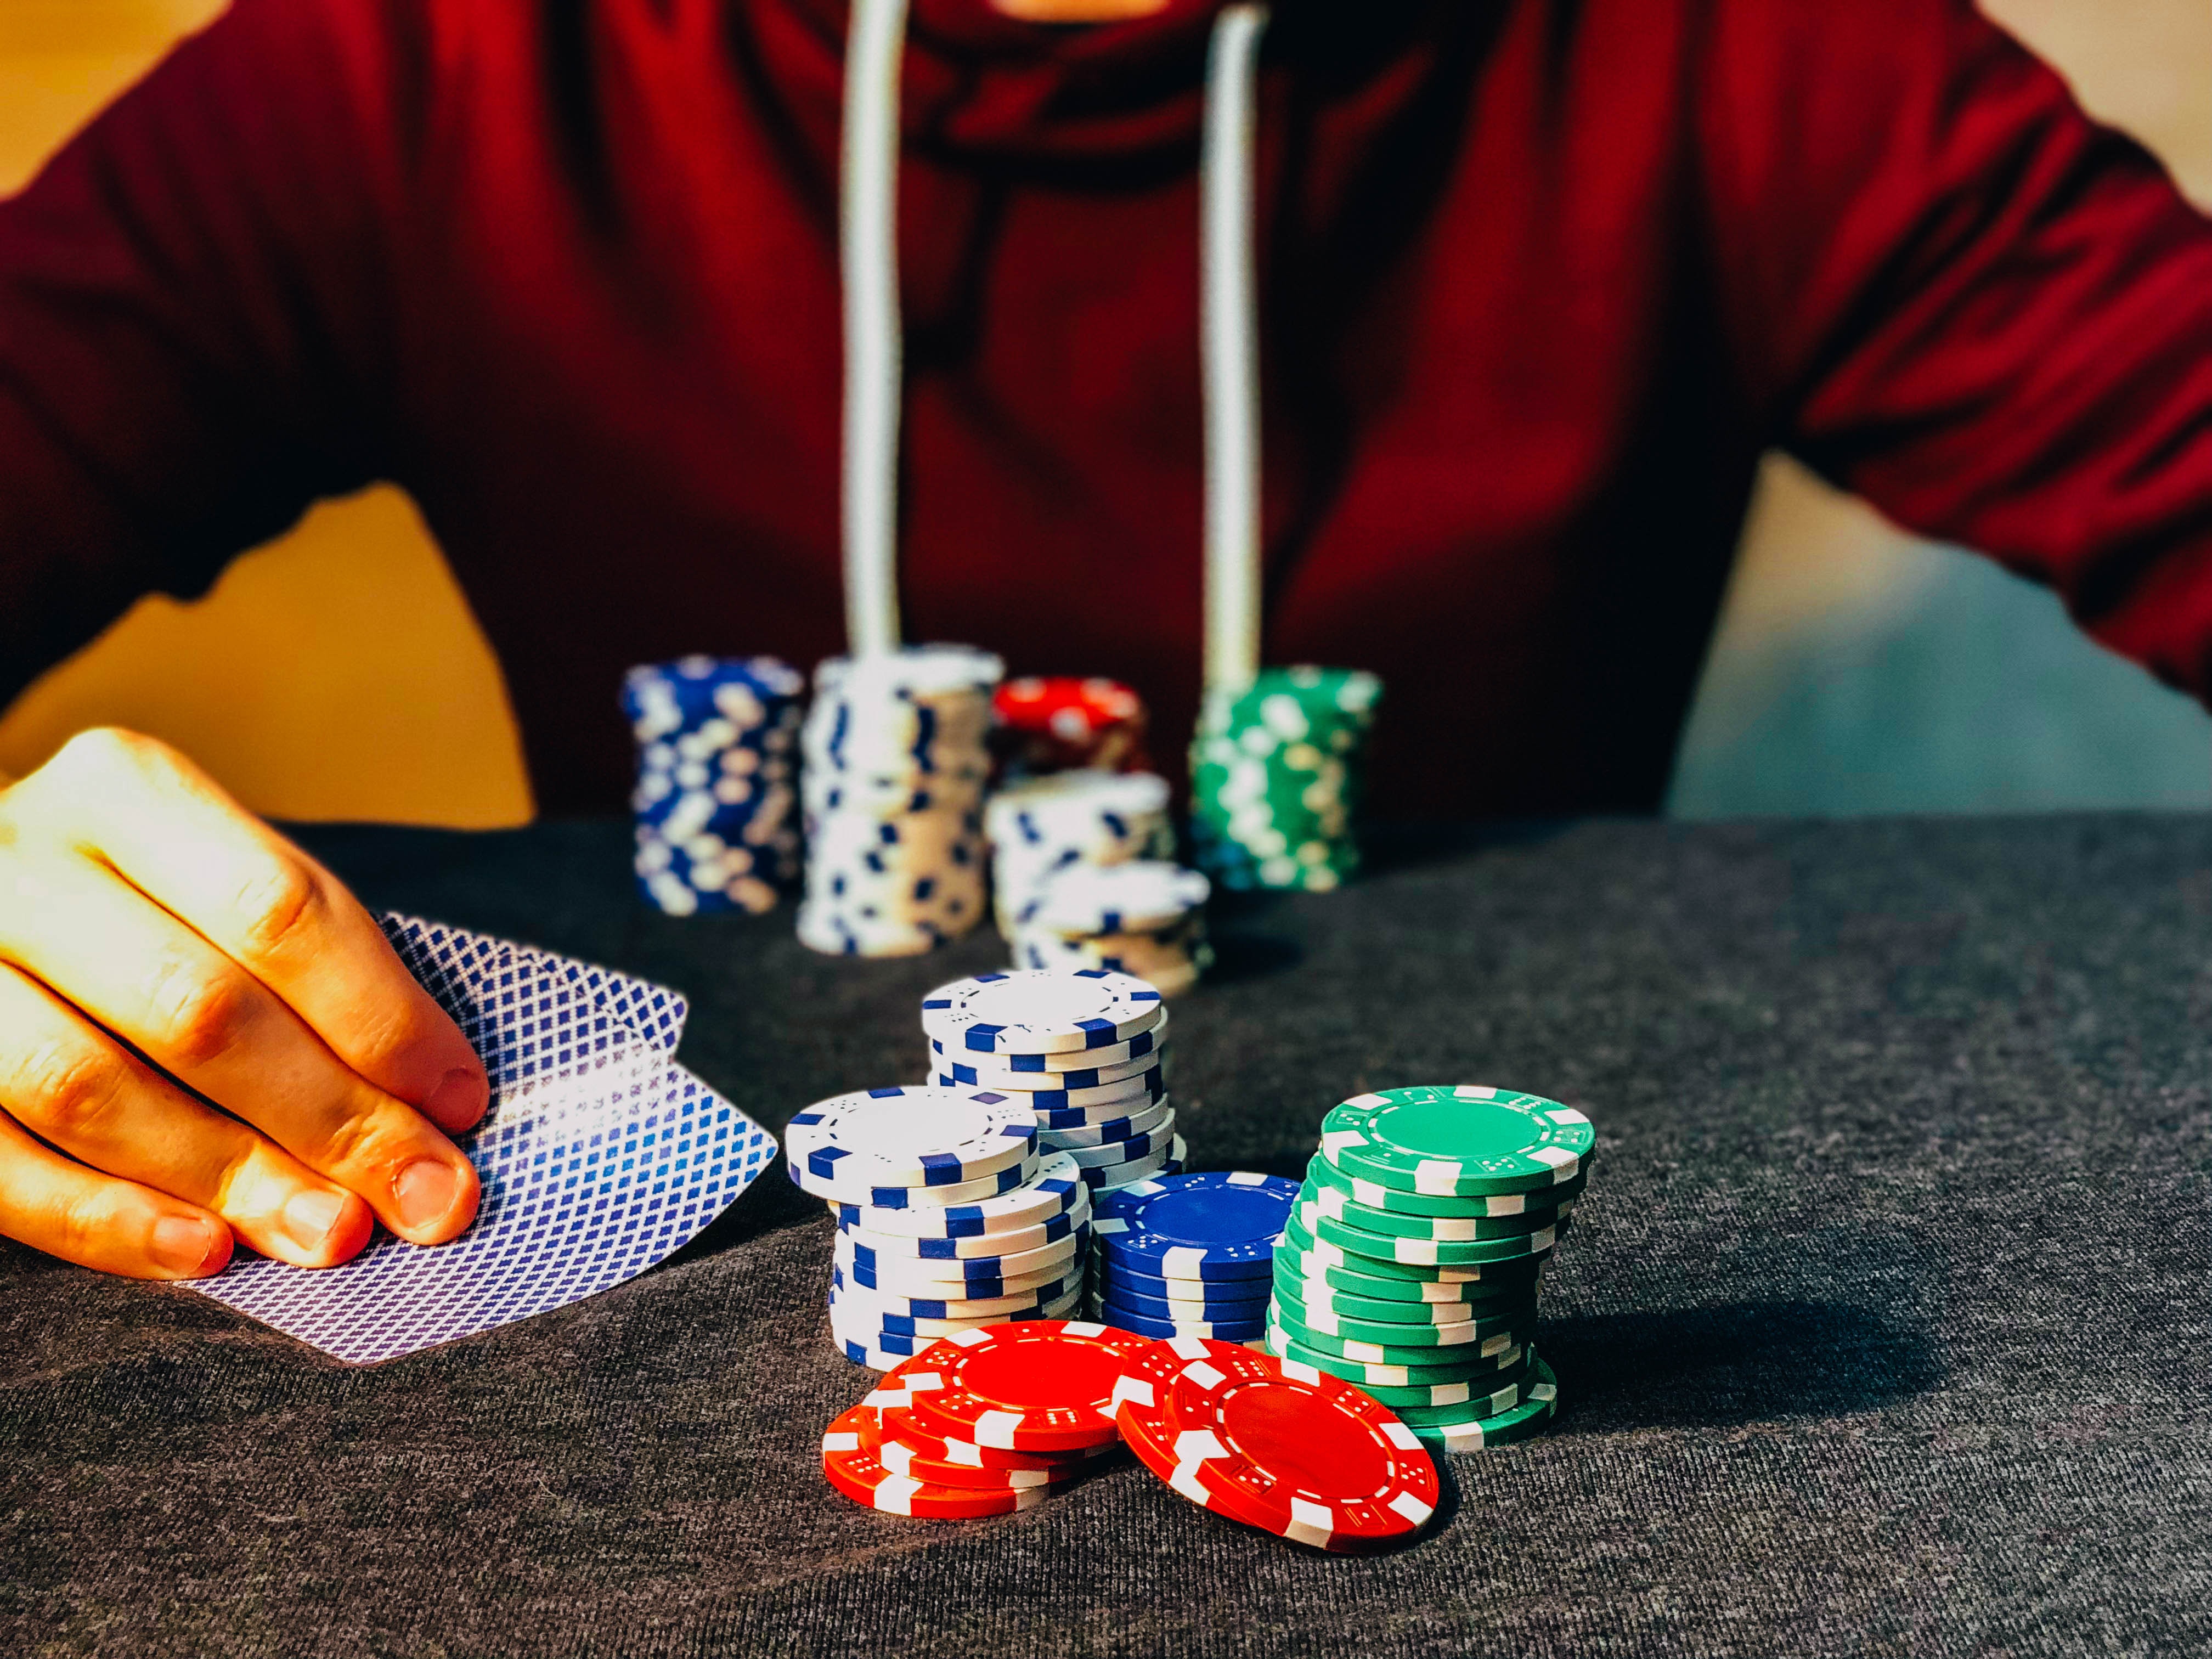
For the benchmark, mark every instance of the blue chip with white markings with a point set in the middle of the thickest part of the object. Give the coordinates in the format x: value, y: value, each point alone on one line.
x: 1211, y: 1225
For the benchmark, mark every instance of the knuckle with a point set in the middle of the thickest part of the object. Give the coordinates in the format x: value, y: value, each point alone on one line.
x: 103, y: 752
x: 201, y: 1016
x: 86, y: 1220
x: 70, y: 1090
x: 279, y: 904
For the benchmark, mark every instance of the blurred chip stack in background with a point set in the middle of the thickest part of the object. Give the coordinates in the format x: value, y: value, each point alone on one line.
x: 1276, y: 770
x: 1063, y: 723
x: 715, y: 829
x: 896, y: 762
x: 1082, y: 877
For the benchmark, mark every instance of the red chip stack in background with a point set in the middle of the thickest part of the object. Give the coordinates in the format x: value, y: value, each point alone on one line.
x: 1059, y: 723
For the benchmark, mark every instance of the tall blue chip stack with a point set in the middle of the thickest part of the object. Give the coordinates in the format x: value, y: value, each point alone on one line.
x: 717, y: 823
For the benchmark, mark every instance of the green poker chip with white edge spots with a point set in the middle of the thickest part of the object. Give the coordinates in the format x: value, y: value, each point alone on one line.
x: 1426, y: 1252
x: 1457, y: 1140
x: 1480, y: 1301
x: 1440, y: 1229
x: 1320, y: 1172
x: 1312, y: 1258
x: 1494, y: 1391
x: 1489, y: 1346
x: 1539, y: 1401
x: 1389, y: 1374
x: 1517, y: 1315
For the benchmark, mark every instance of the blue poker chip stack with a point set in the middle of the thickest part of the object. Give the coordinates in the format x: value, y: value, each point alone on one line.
x: 1189, y: 1255
x: 717, y: 824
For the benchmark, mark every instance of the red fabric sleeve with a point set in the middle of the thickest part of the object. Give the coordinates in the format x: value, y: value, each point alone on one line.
x: 1956, y: 295
x: 192, y: 345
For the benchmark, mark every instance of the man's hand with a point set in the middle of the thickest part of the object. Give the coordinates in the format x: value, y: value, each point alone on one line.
x: 162, y: 948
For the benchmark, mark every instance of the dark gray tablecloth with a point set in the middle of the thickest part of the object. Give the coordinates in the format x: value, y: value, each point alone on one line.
x: 1882, y: 1329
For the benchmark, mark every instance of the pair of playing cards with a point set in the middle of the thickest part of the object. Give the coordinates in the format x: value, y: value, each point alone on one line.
x: 600, y: 1156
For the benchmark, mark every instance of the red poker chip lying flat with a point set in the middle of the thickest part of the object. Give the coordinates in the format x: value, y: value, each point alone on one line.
x: 1140, y: 1395
x: 1316, y: 1460
x: 1038, y: 1385
x: 893, y: 1404
x: 850, y: 1460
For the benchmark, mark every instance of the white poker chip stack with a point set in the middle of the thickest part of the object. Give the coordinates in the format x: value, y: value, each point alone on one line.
x: 896, y: 765
x: 715, y: 824
x: 1081, y: 1052
x: 948, y: 1217
x: 1082, y: 880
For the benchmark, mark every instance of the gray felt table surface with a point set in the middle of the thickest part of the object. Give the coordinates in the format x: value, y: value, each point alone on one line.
x: 1883, y: 1328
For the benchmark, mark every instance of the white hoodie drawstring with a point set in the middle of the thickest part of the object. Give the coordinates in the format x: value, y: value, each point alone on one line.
x: 867, y: 224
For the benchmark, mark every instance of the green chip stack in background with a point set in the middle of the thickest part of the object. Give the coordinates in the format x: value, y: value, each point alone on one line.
x: 1275, y: 777
x: 1413, y: 1257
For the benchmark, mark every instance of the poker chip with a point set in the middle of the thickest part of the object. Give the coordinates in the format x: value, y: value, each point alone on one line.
x: 1084, y: 817
x: 1114, y: 1130
x: 1477, y: 1432
x: 716, y: 823
x: 1023, y: 1305
x: 851, y: 1461
x: 1368, y: 1373
x: 1142, y: 896
x: 1109, y: 1062
x: 1428, y: 1252
x: 1058, y: 1091
x: 1275, y: 778
x: 926, y: 1137
x: 852, y: 1326
x: 1518, y: 1313
x: 1307, y: 1457
x: 892, y: 1404
x: 1106, y: 1177
x: 1177, y: 1307
x: 1044, y: 1385
x: 1042, y: 1283
x: 1347, y: 1249
x: 1007, y: 1180
x: 1227, y: 1330
x: 1206, y: 1226
x: 1437, y: 1228
x: 1049, y: 725
x: 1376, y: 1196
x: 955, y: 1271
x: 1493, y: 1392
x: 1123, y: 1151
x: 1040, y: 1012
x: 1058, y: 1189
x: 1466, y: 1349
x: 1480, y: 1300
x: 1457, y: 1140
x: 971, y: 1247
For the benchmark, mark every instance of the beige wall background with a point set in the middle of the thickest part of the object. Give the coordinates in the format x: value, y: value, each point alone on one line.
x: 337, y: 674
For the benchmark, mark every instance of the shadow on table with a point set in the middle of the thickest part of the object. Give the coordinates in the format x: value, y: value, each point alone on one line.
x: 1745, y: 1362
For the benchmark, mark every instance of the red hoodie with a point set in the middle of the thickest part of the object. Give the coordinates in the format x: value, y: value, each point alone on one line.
x: 1540, y: 279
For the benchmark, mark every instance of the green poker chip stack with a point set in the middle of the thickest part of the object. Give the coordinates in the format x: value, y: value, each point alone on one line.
x: 1413, y: 1257
x: 1275, y: 778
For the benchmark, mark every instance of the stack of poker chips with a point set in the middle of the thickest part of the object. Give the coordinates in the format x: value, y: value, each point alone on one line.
x: 1412, y: 1262
x: 1146, y: 918
x: 715, y: 829
x: 1275, y: 776
x: 949, y: 1218
x: 1081, y: 879
x: 1188, y: 1255
x: 1079, y: 1052
x: 1062, y: 723
x: 897, y: 760
x: 1041, y: 826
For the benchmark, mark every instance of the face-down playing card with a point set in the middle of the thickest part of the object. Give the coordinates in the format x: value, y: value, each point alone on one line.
x: 600, y: 1156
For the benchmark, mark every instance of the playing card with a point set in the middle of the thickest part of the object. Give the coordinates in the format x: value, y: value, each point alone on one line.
x: 600, y: 1156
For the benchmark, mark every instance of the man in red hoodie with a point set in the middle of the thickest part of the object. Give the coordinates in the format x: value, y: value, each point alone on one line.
x: 1539, y: 280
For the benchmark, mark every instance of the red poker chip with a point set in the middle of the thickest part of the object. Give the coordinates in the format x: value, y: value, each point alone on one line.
x: 1037, y: 1385
x: 1053, y: 723
x: 1140, y: 1396
x: 1311, y: 1458
x: 850, y: 1461
x: 896, y: 1420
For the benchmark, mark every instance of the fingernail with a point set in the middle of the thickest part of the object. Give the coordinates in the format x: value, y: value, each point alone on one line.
x: 184, y: 1244
x: 424, y: 1191
x: 459, y: 1100
x: 309, y: 1216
